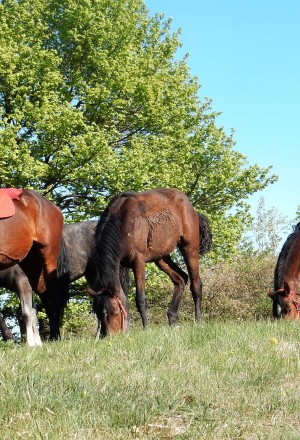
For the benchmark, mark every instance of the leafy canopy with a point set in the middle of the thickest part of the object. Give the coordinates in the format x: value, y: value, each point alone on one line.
x: 94, y: 101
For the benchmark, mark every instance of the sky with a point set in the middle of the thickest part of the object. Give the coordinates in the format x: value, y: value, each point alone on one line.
x: 246, y: 55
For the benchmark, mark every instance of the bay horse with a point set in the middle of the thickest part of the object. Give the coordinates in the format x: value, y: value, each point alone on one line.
x: 30, y: 236
x: 78, y: 242
x: 137, y: 228
x: 286, y: 278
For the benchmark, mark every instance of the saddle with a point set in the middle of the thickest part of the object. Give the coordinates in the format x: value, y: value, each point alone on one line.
x: 7, y: 195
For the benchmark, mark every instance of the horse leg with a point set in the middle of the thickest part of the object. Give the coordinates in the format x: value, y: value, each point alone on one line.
x: 35, y: 328
x: 53, y: 300
x: 98, y: 333
x: 28, y: 314
x: 191, y: 257
x: 179, y: 279
x: 6, y: 333
x: 138, y: 268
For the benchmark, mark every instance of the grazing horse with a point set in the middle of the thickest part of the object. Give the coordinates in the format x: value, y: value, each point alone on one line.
x: 30, y: 236
x: 286, y: 278
x: 78, y: 242
x: 137, y: 228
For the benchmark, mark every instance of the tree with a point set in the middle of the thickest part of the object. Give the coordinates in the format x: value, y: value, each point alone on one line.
x: 94, y: 101
x: 267, y: 230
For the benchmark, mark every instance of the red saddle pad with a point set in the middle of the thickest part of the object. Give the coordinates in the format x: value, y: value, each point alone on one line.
x: 7, y: 195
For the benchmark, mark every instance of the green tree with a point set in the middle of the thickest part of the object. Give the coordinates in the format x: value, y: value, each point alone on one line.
x: 94, y: 101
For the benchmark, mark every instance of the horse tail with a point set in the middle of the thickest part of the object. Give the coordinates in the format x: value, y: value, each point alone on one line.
x: 63, y: 276
x: 205, y: 234
x: 108, y: 239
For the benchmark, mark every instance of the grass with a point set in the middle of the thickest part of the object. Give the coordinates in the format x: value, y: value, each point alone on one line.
x: 219, y: 380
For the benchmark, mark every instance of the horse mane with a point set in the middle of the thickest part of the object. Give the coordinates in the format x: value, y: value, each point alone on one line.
x: 125, y: 279
x: 205, y: 234
x: 280, y: 265
x: 102, y: 302
x: 108, y: 242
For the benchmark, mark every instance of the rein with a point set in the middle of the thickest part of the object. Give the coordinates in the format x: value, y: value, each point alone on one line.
x: 123, y: 313
x: 122, y: 308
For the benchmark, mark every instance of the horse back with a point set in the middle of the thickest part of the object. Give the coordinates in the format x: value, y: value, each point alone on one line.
x: 79, y: 241
x: 155, y: 222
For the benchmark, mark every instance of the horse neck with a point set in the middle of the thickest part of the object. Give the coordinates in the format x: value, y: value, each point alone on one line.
x: 292, y: 265
x: 108, y: 248
x: 280, y: 269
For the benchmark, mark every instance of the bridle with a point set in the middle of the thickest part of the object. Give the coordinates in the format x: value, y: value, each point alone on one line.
x: 123, y: 314
x: 293, y: 294
x: 122, y: 308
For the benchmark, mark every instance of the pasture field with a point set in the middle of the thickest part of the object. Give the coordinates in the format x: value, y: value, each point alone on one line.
x: 217, y: 380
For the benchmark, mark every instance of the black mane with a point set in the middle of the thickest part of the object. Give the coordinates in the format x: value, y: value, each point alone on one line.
x: 108, y: 241
x: 280, y: 265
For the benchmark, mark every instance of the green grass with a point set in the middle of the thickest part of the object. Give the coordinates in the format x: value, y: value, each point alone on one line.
x: 213, y: 381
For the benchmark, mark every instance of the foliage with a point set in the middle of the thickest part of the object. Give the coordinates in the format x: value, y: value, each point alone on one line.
x: 266, y: 232
x: 94, y: 100
x: 78, y: 318
x: 233, y: 289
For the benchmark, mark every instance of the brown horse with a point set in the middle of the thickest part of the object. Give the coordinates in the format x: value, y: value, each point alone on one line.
x: 31, y: 237
x: 286, y: 278
x: 137, y: 228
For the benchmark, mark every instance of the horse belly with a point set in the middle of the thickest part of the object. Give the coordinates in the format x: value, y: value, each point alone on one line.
x: 161, y: 241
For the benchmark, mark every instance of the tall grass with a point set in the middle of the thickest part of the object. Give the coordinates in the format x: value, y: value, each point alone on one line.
x: 213, y: 381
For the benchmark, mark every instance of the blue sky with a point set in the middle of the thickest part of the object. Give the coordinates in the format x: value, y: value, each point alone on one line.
x: 246, y: 55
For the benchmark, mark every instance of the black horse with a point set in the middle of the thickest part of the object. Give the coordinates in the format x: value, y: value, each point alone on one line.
x: 78, y: 243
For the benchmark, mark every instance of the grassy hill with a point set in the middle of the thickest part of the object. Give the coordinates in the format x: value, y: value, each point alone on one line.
x: 218, y: 380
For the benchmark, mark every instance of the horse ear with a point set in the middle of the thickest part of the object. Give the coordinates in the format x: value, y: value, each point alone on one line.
x: 91, y: 292
x: 270, y: 294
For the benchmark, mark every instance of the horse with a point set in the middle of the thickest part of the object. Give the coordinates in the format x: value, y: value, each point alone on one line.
x: 34, y: 228
x: 78, y: 243
x: 137, y: 228
x: 286, y: 278
x: 30, y: 236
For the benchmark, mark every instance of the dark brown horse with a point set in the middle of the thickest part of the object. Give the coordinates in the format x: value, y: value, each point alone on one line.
x: 78, y: 246
x: 286, y: 278
x: 31, y: 237
x: 137, y: 228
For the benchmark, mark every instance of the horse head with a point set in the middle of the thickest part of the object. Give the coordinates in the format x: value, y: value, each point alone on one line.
x: 285, y: 302
x: 110, y: 312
